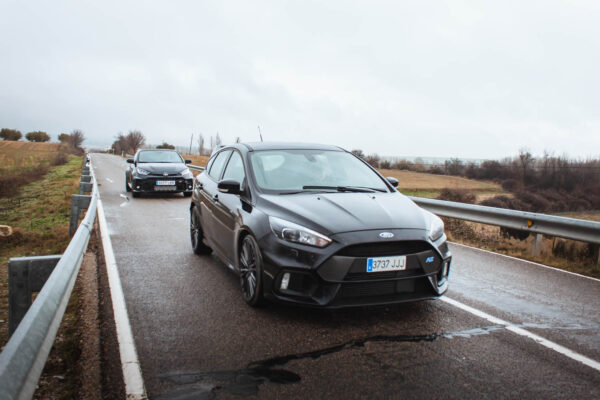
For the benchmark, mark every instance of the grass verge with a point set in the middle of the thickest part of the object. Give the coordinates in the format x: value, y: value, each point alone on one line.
x: 39, y: 215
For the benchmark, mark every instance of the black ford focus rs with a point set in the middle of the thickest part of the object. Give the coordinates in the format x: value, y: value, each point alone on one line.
x: 152, y: 171
x: 317, y: 226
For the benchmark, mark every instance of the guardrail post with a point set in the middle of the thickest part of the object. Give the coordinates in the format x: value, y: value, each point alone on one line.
x: 536, y: 248
x: 85, y: 187
x: 78, y: 202
x: 26, y: 275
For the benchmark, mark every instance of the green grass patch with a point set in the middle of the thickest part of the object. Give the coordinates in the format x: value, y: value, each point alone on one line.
x: 39, y: 216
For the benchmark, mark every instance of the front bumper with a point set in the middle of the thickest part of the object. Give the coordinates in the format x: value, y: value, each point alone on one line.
x: 336, y: 276
x: 149, y: 184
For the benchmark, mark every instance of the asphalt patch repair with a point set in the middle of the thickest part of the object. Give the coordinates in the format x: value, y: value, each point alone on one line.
x: 246, y: 382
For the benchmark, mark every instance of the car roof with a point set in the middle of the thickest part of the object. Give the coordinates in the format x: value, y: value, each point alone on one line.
x: 256, y: 146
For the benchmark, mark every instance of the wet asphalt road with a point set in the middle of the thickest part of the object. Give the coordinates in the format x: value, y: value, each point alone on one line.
x: 197, y: 339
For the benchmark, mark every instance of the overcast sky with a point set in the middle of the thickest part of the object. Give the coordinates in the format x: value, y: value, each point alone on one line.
x: 443, y: 78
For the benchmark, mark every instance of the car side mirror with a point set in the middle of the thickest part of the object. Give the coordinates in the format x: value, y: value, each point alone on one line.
x: 229, y: 186
x: 188, y: 161
x: 393, y: 181
x: 130, y: 161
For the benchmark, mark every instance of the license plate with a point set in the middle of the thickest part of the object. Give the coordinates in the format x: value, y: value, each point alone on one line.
x: 165, y: 188
x: 165, y: 183
x: 380, y: 264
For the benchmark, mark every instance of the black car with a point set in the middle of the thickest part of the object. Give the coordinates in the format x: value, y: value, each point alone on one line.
x: 152, y: 171
x: 315, y: 225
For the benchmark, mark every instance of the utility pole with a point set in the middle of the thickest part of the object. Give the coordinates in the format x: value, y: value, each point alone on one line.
x: 260, y: 133
x: 191, y: 139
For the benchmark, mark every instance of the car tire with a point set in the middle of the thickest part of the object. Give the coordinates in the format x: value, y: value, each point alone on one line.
x: 196, y: 234
x: 127, y: 188
x: 251, y: 266
x: 187, y: 194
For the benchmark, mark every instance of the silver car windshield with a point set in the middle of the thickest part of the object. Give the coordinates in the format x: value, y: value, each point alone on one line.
x: 309, y: 170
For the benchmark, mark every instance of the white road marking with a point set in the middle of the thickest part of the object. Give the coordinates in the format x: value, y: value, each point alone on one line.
x: 126, y: 202
x: 527, y: 261
x: 522, y: 332
x: 110, y: 180
x: 132, y: 373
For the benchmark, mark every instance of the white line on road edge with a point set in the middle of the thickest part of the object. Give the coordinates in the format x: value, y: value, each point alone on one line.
x: 522, y: 332
x: 527, y: 261
x: 132, y: 373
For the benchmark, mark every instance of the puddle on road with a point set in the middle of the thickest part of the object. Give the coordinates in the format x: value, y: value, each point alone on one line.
x: 246, y: 382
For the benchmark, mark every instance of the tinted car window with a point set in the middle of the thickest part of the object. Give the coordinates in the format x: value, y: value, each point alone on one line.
x: 217, y: 165
x: 235, y: 168
x: 159, y: 157
x: 282, y: 170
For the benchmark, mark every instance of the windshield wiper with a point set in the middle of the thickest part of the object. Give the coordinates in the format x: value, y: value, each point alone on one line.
x: 357, y: 189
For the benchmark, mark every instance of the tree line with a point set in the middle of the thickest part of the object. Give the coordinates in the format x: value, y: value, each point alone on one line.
x: 134, y: 140
x: 540, y: 184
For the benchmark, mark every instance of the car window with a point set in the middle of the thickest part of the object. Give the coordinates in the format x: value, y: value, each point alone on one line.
x: 235, y: 168
x: 217, y: 165
x: 159, y: 157
x: 282, y: 170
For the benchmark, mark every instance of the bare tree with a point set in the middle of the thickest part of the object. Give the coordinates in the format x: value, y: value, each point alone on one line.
x: 237, y: 139
x: 120, y: 144
x: 135, y: 140
x: 76, y: 139
x: 526, y: 162
x: 218, y: 140
x: 200, y: 144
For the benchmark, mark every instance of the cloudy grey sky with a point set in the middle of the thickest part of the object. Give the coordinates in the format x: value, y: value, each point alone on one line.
x: 417, y: 78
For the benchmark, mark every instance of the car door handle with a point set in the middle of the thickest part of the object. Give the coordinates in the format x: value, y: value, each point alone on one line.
x: 216, y: 198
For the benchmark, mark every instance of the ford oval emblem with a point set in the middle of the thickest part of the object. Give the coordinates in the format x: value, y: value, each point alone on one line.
x: 386, y: 235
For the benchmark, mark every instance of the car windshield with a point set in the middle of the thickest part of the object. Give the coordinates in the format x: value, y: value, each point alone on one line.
x: 309, y: 170
x: 159, y: 157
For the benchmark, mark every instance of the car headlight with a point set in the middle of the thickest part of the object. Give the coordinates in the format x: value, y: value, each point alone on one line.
x: 142, y: 171
x: 187, y: 174
x: 436, y: 229
x: 297, y: 234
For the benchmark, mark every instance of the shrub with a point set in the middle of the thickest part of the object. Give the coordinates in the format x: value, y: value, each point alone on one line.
x: 510, y: 185
x: 37, y: 136
x: 10, y: 134
x: 458, y: 195
x: 165, y: 145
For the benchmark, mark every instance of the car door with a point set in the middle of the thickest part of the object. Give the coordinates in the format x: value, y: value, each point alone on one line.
x: 209, y: 195
x: 228, y: 207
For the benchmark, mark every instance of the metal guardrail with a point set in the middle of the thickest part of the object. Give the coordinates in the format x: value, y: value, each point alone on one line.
x: 568, y: 228
x: 196, y: 167
x: 25, y: 354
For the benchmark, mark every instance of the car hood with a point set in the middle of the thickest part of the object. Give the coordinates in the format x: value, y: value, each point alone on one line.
x: 332, y: 213
x: 162, y: 168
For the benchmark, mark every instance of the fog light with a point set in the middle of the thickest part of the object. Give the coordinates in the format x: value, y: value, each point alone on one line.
x: 137, y: 187
x: 285, y: 281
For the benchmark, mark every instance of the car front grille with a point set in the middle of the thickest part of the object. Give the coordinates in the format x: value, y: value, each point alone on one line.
x: 385, y: 249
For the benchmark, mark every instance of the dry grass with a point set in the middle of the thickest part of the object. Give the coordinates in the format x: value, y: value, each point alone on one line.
x: 429, y: 185
x: 560, y: 253
x: 20, y: 155
x: 25, y: 162
x: 197, y: 160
